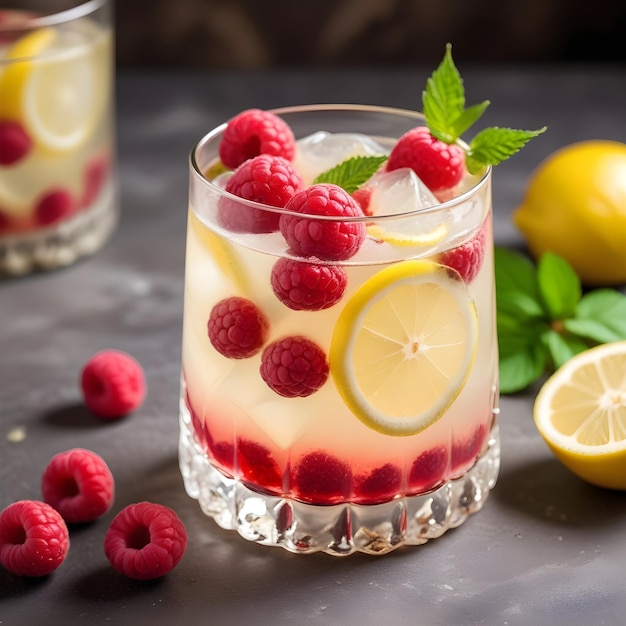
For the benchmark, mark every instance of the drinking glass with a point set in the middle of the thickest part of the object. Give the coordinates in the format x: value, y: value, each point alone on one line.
x: 363, y: 419
x: 57, y: 192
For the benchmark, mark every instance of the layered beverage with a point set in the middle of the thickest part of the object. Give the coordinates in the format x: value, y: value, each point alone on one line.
x: 57, y: 199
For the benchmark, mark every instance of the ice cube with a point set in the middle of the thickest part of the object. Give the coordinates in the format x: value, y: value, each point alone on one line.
x: 399, y: 191
x: 323, y: 150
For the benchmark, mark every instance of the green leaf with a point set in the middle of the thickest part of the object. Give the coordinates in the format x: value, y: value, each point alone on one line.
x: 559, y: 286
x: 562, y: 347
x: 523, y: 360
x: 493, y: 145
x: 517, y: 291
x: 443, y: 100
x: 468, y: 117
x: 352, y: 173
x: 600, y: 316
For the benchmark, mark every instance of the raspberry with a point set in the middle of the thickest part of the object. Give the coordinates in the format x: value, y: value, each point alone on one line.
x: 267, y: 179
x: 15, y: 143
x: 439, y: 165
x: 79, y: 485
x: 257, y: 466
x: 304, y: 286
x: 428, y: 469
x: 465, y: 452
x: 467, y: 259
x: 321, y: 478
x: 294, y: 366
x: 363, y: 197
x: 53, y: 206
x: 329, y: 240
x: 253, y: 132
x: 382, y: 484
x: 237, y: 327
x: 34, y: 539
x: 113, y: 384
x: 95, y: 174
x: 145, y: 541
x: 5, y: 222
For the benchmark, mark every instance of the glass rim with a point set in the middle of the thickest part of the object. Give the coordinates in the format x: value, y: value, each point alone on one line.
x: 308, y: 108
x: 54, y: 19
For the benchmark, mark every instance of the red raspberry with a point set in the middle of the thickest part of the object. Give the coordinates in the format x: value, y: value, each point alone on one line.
x: 237, y: 327
x: 34, y: 539
x: 54, y: 206
x: 5, y: 222
x: 363, y: 197
x: 267, y: 179
x: 294, y: 367
x: 15, y: 143
x: 145, y: 541
x: 113, y: 384
x: 257, y: 466
x: 467, y: 259
x: 380, y: 485
x: 304, y: 286
x: 465, y: 452
x: 329, y: 240
x: 96, y: 172
x: 439, y: 165
x: 428, y: 469
x: 79, y: 485
x: 321, y: 478
x: 253, y: 132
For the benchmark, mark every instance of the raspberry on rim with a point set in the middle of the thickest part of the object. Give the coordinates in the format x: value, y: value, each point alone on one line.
x: 253, y: 132
x: 34, y: 539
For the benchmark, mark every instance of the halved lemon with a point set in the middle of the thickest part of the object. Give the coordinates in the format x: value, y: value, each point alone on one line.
x: 58, y: 85
x: 404, y: 345
x: 580, y: 411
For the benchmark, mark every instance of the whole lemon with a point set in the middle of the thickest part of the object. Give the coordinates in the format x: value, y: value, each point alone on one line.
x: 575, y: 206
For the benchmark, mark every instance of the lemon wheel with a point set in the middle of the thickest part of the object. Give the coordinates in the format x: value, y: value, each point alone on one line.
x: 580, y: 411
x: 403, y: 346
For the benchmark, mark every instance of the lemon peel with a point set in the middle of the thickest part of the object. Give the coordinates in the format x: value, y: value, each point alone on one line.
x: 400, y: 239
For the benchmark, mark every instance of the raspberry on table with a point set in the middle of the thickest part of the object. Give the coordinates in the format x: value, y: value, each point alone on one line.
x: 79, y: 485
x: 467, y: 259
x: 145, y: 541
x: 34, y: 539
x: 381, y: 484
x: 15, y: 143
x: 328, y: 240
x: 321, y: 478
x: 267, y: 179
x: 257, y: 466
x: 294, y: 366
x: 237, y: 327
x: 439, y: 165
x: 308, y: 286
x: 53, y: 206
x: 253, y: 132
x: 113, y: 384
x: 428, y: 469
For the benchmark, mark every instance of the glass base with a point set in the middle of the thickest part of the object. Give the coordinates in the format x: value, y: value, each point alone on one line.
x: 61, y: 244
x: 340, y: 529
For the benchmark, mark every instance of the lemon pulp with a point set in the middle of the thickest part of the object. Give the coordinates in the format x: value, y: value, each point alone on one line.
x: 403, y: 346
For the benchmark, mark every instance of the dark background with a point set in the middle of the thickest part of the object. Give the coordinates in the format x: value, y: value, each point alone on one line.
x: 258, y: 34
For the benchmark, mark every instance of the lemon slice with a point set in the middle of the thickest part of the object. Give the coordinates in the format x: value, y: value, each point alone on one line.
x: 407, y: 239
x: 580, y: 411
x: 57, y: 86
x: 404, y: 345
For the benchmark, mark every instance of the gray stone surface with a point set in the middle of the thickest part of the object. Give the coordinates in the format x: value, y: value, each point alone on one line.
x: 546, y: 549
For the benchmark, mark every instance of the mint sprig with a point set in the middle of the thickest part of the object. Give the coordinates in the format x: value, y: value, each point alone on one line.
x: 352, y: 173
x: 443, y: 103
x: 544, y: 319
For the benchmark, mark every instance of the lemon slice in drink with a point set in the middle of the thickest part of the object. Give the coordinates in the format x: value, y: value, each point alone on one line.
x: 403, y: 346
x: 397, y: 237
x: 580, y: 411
x: 57, y: 86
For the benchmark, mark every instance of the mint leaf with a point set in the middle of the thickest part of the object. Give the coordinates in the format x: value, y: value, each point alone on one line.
x: 600, y: 316
x: 352, y: 173
x: 523, y: 360
x: 443, y: 100
x: 559, y: 286
x: 562, y: 347
x: 491, y: 146
x: 467, y: 119
x: 517, y: 291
